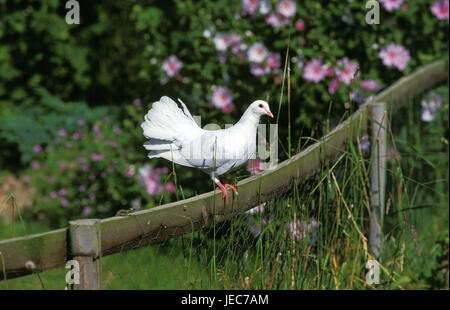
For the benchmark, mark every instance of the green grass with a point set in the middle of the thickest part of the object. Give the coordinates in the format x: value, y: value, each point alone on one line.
x: 227, y: 256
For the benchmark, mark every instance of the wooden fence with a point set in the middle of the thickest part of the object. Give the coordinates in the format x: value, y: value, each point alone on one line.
x: 88, y: 240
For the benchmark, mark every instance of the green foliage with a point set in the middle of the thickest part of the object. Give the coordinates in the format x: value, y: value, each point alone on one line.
x: 36, y: 121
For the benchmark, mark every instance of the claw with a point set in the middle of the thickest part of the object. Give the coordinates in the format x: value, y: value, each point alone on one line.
x: 232, y: 187
x: 225, y: 193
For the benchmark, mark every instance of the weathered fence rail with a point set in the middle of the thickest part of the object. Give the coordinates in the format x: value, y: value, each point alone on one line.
x: 36, y: 253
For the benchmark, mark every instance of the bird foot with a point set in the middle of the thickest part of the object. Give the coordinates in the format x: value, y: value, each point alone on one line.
x: 232, y: 187
x: 224, y: 189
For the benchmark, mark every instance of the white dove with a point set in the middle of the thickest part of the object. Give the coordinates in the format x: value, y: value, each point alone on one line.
x: 175, y: 136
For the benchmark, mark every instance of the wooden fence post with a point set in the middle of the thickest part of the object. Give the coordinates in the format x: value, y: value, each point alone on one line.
x: 85, y: 248
x: 378, y: 115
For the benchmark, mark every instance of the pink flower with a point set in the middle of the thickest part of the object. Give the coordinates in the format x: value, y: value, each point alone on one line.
x: 250, y: 6
x: 370, y: 85
x: 303, y: 230
x: 334, y: 86
x: 26, y: 179
x: 257, y: 52
x: 440, y: 9
x: 172, y: 66
x: 346, y: 70
x: 137, y: 102
x: 365, y: 143
x: 96, y: 128
x: 276, y: 20
x: 35, y: 165
x: 221, y: 97
x: 391, y: 5
x: 63, y: 132
x: 221, y: 42
x: 259, y: 69
x: 37, y: 148
x: 286, y: 8
x: 273, y: 61
x: 315, y: 71
x: 235, y: 40
x: 117, y: 130
x: 300, y: 25
x: 63, y: 192
x: 85, y: 168
x: 170, y: 187
x: 129, y: 171
x: 392, y: 154
x: 86, y: 211
x: 69, y: 144
x: 228, y: 109
x: 395, y: 55
x: 82, y: 188
x: 97, y: 157
x: 64, y: 202
x: 53, y: 194
x: 254, y: 166
x: 151, y: 180
x: 76, y: 136
x: 81, y: 160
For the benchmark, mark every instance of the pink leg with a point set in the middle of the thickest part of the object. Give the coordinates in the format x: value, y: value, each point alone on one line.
x: 232, y: 187
x: 223, y: 189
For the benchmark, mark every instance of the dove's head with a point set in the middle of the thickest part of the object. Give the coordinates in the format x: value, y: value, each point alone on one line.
x: 260, y: 107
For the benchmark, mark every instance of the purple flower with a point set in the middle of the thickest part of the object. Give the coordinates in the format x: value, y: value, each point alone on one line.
x: 92, y: 197
x: 63, y: 132
x: 221, y: 97
x: 63, y: 192
x: 82, y: 188
x: 37, y: 148
x: 136, y: 203
x: 172, y: 66
x: 85, y: 168
x: 81, y: 160
x: 137, y: 102
x: 395, y: 55
x: 250, y: 6
x: 80, y: 122
x: 117, y: 130
x: 234, y: 41
x: 69, y: 144
x: 392, y: 154
x: 303, y: 230
x: 96, y: 128
x: 86, y: 211
x: 365, y: 143
x: 334, y: 86
x: 26, y: 179
x: 276, y: 20
x: 129, y: 171
x: 314, y: 71
x: 346, y: 70
x: 254, y: 166
x: 440, y: 9
x: 170, y: 187
x: 370, y: 85
x: 97, y: 157
x: 35, y: 165
x: 259, y: 69
x: 300, y: 25
x: 76, y: 136
x: 286, y: 8
x: 273, y: 61
x: 151, y: 180
x: 257, y: 52
x: 53, y: 194
x: 64, y: 202
x: 391, y: 5
x: 430, y: 107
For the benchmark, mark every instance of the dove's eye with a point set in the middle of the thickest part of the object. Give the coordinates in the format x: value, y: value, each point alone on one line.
x: 260, y: 105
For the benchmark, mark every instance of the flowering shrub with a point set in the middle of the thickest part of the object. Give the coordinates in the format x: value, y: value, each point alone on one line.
x: 94, y: 171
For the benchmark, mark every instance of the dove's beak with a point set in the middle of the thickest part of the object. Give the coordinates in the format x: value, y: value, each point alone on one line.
x: 270, y: 114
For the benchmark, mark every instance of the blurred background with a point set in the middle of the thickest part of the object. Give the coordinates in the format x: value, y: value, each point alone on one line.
x: 72, y: 96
